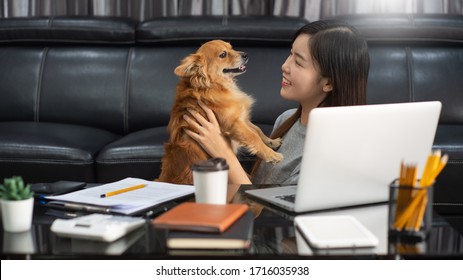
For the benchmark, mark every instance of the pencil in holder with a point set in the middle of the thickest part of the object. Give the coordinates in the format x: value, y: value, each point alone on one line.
x: 410, y: 212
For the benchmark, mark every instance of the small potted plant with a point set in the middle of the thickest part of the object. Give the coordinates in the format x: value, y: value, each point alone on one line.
x: 17, y: 204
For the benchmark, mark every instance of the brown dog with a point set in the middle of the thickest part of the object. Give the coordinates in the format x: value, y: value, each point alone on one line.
x: 207, y: 76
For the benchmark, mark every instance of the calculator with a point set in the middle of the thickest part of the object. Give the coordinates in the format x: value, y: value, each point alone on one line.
x: 100, y: 227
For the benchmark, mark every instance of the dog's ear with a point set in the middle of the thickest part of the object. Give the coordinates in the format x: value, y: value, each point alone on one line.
x: 194, y: 67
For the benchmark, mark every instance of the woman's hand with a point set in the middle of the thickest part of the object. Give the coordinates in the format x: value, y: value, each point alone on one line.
x: 207, y: 132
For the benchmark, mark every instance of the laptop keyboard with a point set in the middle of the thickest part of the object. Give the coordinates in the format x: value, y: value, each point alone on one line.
x: 289, y: 197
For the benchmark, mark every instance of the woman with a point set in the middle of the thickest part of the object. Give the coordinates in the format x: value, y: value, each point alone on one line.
x: 327, y: 66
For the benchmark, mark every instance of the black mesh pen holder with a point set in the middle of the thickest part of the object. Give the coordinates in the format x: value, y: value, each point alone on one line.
x: 410, y: 212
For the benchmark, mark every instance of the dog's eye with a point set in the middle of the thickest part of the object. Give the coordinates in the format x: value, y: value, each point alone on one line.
x: 223, y: 55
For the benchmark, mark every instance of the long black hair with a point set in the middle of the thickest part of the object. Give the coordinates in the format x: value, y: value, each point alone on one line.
x: 340, y: 54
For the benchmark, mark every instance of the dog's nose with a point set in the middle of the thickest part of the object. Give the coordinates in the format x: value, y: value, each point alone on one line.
x: 244, y: 55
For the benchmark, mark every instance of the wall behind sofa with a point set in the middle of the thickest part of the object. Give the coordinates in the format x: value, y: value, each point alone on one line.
x: 142, y: 10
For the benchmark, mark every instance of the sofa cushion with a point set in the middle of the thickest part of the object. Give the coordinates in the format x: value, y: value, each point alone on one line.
x: 75, y: 84
x: 137, y: 154
x: 84, y: 86
x: 152, y: 85
x: 19, y: 80
x: 420, y: 54
x: 23, y: 144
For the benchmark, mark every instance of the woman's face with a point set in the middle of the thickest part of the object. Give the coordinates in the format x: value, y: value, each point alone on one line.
x: 301, y: 79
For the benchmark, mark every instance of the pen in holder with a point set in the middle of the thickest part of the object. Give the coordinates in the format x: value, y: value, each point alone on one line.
x: 410, y: 212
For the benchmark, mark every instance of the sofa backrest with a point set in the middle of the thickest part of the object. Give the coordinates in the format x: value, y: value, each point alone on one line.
x: 118, y: 75
x: 415, y: 58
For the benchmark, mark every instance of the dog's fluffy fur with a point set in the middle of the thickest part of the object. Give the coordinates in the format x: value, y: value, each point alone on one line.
x: 207, y: 76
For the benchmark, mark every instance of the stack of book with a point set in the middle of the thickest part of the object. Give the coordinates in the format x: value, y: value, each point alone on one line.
x: 196, y: 226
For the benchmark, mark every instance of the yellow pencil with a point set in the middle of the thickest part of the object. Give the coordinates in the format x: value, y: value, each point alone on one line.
x: 431, y: 165
x: 123, y: 190
x: 405, y: 191
x: 402, y: 220
x: 411, y: 206
x: 420, y: 215
x: 442, y: 163
x: 402, y: 174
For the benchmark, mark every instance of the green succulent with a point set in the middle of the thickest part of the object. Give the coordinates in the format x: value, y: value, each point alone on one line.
x: 14, y: 189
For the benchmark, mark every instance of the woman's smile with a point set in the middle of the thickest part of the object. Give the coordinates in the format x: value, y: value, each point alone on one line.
x: 285, y: 82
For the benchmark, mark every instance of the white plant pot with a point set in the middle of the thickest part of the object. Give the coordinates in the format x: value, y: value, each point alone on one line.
x: 17, y: 214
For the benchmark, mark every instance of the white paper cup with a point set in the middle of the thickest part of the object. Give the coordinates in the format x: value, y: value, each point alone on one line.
x: 210, y: 179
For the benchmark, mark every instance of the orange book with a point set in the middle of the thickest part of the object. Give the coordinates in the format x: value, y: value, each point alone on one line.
x: 202, y: 217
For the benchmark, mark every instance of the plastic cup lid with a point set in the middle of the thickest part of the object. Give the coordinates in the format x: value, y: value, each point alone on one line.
x: 213, y: 164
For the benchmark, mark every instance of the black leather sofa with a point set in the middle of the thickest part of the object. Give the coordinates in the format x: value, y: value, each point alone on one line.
x: 88, y: 99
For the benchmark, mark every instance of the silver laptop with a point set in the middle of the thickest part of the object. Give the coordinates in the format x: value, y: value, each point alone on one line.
x: 351, y: 154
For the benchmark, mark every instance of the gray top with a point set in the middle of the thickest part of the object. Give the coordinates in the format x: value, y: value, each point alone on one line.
x: 287, y: 171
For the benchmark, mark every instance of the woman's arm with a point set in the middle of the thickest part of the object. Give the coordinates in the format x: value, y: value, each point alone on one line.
x: 210, y: 137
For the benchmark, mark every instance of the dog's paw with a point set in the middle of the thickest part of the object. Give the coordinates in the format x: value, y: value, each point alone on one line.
x: 274, y: 143
x: 275, y: 158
